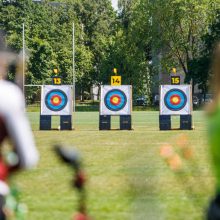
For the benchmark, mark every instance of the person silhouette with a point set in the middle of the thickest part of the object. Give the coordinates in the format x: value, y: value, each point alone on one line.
x: 14, y: 125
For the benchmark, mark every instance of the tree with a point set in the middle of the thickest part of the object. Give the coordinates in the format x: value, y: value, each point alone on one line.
x: 98, y: 24
x: 130, y: 52
x: 131, y: 40
x: 177, y: 29
x: 201, y: 66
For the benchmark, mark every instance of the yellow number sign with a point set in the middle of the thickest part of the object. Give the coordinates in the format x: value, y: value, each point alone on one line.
x: 56, y: 80
x: 116, y: 80
x: 175, y: 80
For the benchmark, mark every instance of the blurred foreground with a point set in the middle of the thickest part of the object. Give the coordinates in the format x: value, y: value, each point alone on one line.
x: 128, y: 179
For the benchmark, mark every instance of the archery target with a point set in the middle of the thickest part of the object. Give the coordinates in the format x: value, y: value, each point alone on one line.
x: 56, y: 100
x: 115, y: 100
x: 175, y: 100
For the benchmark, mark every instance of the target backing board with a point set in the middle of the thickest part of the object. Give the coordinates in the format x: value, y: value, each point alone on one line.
x: 56, y: 100
x: 175, y: 100
x: 116, y: 100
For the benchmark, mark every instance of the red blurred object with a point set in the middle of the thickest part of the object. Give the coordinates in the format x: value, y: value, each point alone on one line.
x: 4, y: 171
x: 79, y: 180
x: 81, y: 216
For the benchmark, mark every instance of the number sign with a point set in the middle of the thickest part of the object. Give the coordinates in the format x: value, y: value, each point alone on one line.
x: 56, y: 80
x: 175, y: 80
x: 116, y: 80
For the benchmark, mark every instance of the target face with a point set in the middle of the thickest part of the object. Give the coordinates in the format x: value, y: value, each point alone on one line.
x: 115, y: 100
x: 175, y: 100
x: 56, y: 100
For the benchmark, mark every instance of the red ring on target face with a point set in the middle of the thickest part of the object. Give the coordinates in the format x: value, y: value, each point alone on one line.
x: 175, y: 99
x: 56, y: 100
x: 115, y: 100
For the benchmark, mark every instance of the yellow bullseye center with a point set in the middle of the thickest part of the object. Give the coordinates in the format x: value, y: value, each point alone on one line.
x: 175, y: 100
x: 115, y: 100
x: 56, y: 100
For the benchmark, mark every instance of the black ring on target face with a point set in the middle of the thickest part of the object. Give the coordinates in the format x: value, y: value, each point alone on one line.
x: 180, y: 97
x: 115, y: 100
x: 56, y: 100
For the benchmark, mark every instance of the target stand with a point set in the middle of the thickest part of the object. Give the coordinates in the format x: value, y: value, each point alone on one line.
x: 115, y: 101
x: 56, y: 101
x: 175, y: 100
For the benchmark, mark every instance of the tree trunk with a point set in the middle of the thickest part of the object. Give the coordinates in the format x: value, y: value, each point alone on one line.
x: 193, y: 87
x: 81, y: 93
x: 99, y: 91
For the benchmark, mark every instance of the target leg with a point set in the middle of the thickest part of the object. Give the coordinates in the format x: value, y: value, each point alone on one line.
x: 104, y: 122
x: 165, y: 122
x: 65, y: 122
x: 125, y: 122
x: 185, y: 122
x: 45, y: 122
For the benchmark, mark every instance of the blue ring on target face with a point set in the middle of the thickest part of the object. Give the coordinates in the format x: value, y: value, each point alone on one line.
x: 182, y: 97
x: 120, y: 96
x: 58, y: 94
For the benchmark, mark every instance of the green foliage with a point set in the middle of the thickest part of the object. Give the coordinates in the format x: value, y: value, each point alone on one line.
x: 177, y: 29
x: 48, y: 38
x: 130, y: 51
x: 200, y: 67
x: 143, y: 38
x: 167, y: 33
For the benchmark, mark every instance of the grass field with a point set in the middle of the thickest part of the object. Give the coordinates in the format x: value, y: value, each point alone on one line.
x: 127, y: 177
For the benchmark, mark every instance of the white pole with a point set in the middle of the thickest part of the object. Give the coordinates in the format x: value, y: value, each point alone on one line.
x: 74, y: 77
x: 23, y: 54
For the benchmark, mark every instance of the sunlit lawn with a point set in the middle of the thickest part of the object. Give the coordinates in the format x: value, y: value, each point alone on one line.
x: 127, y: 177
